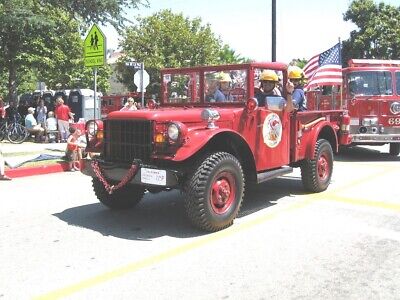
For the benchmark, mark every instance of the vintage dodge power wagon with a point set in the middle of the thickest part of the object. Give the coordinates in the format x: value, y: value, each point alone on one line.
x: 210, y: 137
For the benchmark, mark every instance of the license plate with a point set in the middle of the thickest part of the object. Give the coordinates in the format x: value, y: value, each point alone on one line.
x: 153, y: 176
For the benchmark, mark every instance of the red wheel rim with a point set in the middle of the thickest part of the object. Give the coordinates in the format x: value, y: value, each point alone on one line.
x: 323, y: 168
x: 222, y: 192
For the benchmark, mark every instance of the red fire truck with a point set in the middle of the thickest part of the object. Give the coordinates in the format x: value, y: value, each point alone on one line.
x: 111, y: 103
x: 371, y: 94
x: 210, y: 149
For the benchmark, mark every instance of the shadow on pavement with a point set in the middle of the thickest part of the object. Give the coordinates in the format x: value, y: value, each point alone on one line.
x: 163, y: 214
x: 359, y: 154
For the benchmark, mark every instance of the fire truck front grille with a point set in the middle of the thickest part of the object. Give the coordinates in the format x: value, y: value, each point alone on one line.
x: 126, y: 140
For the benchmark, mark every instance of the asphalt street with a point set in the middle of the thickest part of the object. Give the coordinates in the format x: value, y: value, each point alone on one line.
x: 58, y: 241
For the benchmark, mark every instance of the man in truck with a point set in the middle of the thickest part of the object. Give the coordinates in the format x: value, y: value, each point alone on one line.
x: 268, y: 86
x: 296, y: 76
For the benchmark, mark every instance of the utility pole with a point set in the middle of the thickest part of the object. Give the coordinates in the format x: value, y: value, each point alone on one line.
x: 273, y: 30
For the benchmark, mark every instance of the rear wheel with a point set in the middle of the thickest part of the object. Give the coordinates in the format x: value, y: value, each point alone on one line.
x: 16, y: 133
x: 316, y: 173
x: 123, y: 198
x: 3, y: 130
x: 394, y: 149
x: 214, y: 192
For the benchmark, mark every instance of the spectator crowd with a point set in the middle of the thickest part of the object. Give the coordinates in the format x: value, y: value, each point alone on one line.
x: 45, y: 121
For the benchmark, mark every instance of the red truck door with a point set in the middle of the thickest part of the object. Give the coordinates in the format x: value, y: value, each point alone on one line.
x: 272, y: 141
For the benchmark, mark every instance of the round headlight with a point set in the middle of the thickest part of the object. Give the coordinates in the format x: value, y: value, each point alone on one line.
x: 91, y: 128
x: 173, y: 131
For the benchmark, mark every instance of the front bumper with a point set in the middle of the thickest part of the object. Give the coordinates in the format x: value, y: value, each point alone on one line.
x: 375, y: 138
x: 146, y: 175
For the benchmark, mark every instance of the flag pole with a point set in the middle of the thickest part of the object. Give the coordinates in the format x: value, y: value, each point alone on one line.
x: 340, y: 60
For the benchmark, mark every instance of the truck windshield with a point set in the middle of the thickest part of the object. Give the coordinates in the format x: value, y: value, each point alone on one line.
x: 182, y: 88
x: 398, y: 83
x: 370, y: 83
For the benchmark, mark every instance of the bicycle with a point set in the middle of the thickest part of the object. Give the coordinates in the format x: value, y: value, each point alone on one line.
x: 15, y: 132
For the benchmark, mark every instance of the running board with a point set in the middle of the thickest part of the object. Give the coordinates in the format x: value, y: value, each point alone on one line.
x: 261, y: 177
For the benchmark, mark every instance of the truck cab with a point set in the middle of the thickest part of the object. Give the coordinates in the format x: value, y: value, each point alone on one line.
x: 210, y: 137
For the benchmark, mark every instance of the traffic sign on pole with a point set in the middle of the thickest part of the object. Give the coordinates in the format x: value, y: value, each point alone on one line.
x: 137, y: 79
x: 95, y: 48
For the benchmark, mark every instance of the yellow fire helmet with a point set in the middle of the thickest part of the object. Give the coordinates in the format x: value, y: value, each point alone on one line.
x: 224, y: 77
x: 269, y: 75
x: 295, y: 72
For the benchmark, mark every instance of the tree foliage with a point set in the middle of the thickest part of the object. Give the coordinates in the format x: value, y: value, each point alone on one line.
x: 98, y: 11
x: 41, y: 39
x: 166, y: 39
x: 378, y: 33
x: 228, y: 55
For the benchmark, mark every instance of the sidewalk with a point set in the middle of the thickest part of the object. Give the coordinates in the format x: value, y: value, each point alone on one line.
x: 16, y: 154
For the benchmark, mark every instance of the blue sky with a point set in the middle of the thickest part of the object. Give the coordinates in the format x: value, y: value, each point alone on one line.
x: 304, y: 28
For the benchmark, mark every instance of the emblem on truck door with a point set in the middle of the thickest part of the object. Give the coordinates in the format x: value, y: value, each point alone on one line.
x: 272, y: 130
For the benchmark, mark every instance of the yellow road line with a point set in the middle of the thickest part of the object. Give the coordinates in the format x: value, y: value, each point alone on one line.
x: 146, y: 262
x: 135, y: 266
x: 361, y: 202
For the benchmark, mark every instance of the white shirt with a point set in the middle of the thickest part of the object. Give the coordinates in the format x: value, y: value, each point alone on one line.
x: 51, y: 123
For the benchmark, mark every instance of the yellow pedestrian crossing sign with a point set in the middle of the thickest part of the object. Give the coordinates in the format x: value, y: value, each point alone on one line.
x: 95, y: 48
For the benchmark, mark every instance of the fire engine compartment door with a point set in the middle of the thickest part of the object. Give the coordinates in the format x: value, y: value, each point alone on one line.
x: 273, y: 135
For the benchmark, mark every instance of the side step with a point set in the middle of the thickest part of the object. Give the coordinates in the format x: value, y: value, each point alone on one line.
x: 261, y: 177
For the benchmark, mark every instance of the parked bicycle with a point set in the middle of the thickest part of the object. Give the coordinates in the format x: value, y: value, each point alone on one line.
x: 15, y: 132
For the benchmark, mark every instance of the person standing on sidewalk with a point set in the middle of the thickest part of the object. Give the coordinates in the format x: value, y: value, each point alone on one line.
x: 41, y: 113
x: 3, y: 176
x: 63, y: 114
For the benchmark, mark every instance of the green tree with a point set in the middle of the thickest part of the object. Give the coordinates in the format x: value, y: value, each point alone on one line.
x: 378, y: 33
x: 166, y: 39
x: 22, y: 29
x: 228, y: 55
x: 299, y: 62
x: 43, y: 37
x: 98, y: 11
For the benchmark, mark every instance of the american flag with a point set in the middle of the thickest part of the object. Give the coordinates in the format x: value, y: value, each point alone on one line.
x: 324, y: 68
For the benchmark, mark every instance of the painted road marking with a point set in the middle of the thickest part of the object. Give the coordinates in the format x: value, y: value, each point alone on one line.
x: 152, y: 260
x: 361, y: 202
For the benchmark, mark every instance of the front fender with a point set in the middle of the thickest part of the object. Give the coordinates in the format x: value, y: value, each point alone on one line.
x: 323, y: 129
x: 197, y: 139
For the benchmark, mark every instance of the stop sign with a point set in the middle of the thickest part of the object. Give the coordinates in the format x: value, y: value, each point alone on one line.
x: 137, y: 79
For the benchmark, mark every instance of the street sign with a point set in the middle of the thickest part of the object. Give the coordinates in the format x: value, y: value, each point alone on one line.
x: 134, y: 64
x: 137, y: 80
x: 95, y: 48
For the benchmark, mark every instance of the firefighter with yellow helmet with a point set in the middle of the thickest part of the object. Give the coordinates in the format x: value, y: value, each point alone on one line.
x: 268, y: 86
x: 218, y: 87
x: 296, y: 77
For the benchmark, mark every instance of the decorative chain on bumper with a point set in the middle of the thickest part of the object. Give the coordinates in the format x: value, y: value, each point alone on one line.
x: 111, y: 188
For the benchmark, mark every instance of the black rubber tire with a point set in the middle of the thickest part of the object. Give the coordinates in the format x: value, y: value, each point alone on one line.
x: 394, y: 149
x: 310, y: 175
x: 123, y: 198
x: 198, y: 191
x: 17, y: 133
x: 3, y: 130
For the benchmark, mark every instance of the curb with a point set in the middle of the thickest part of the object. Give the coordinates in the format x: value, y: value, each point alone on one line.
x: 40, y: 170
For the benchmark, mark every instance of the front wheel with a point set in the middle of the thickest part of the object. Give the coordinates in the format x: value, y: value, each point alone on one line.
x: 394, y: 149
x: 125, y: 197
x: 316, y: 173
x: 214, y: 192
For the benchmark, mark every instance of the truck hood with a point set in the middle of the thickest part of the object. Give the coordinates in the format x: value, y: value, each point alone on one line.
x: 181, y: 114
